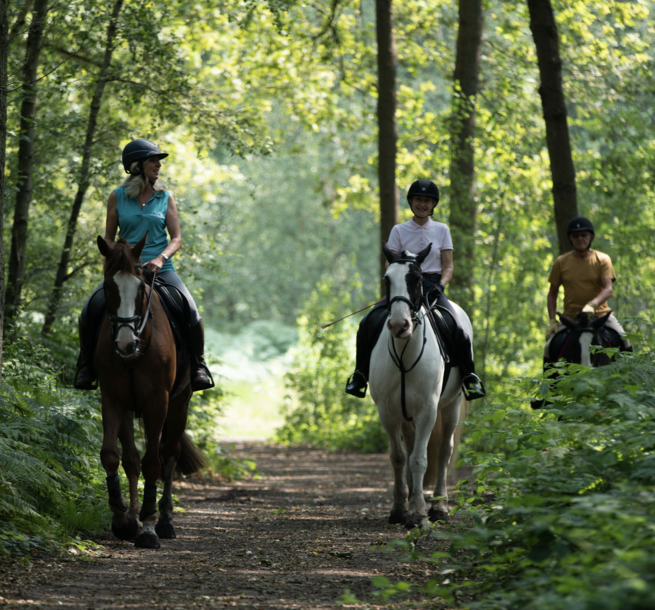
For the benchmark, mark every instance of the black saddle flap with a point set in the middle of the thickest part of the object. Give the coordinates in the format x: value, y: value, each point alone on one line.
x: 444, y: 327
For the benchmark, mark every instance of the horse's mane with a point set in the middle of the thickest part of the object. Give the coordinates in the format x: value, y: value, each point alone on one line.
x: 121, y: 259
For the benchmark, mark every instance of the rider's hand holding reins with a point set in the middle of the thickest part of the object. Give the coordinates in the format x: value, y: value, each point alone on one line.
x: 155, y: 264
x: 590, y: 308
x: 552, y: 328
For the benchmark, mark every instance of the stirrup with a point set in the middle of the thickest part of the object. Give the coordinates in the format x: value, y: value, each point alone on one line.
x: 202, y: 379
x: 356, y: 385
x: 473, y: 387
x: 85, y: 379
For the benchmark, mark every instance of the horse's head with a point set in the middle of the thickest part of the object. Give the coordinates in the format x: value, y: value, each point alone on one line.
x: 585, y: 333
x: 404, y: 289
x: 124, y: 291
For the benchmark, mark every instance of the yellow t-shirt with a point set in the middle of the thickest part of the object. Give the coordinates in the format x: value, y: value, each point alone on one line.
x: 582, y: 280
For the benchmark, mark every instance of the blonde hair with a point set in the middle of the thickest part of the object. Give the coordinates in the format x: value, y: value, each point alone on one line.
x: 136, y: 181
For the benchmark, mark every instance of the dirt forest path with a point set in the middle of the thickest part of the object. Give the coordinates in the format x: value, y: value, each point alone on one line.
x: 295, y: 538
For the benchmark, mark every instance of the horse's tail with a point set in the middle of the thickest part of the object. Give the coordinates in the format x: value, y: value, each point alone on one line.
x: 431, y: 473
x: 191, y: 460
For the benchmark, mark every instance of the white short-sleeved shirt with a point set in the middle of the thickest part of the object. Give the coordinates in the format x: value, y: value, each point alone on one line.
x: 413, y: 237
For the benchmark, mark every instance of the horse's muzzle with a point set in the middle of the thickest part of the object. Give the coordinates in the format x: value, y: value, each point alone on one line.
x: 129, y: 350
x: 401, y: 329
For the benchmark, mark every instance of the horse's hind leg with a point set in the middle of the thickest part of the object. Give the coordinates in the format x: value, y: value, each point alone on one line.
x: 170, y: 455
x: 122, y: 525
x: 449, y: 417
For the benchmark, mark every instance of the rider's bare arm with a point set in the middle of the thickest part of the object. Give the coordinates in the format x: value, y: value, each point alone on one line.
x: 605, y: 293
x: 552, y: 300
x: 173, y: 226
x: 111, y: 224
x: 447, y: 266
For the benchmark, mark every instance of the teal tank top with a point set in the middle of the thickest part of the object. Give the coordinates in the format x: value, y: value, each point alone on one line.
x: 133, y: 222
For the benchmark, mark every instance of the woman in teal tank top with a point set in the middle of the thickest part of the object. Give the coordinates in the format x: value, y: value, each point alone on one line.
x: 142, y: 204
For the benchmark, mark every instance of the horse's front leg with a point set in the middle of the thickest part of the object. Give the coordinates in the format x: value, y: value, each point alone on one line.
x: 112, y: 421
x: 418, y: 463
x: 154, y: 414
x: 398, y: 458
x: 449, y: 418
x: 170, y: 456
x: 125, y: 524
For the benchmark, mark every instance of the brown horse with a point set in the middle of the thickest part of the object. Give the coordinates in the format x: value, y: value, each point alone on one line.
x: 136, y: 360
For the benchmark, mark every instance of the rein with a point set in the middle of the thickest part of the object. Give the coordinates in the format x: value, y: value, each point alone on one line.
x: 415, y: 308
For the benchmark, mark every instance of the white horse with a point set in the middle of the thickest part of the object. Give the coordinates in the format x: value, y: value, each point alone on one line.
x: 427, y: 410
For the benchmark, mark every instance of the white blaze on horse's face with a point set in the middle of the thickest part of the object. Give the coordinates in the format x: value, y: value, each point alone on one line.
x: 585, y: 348
x: 400, y: 320
x: 128, y: 288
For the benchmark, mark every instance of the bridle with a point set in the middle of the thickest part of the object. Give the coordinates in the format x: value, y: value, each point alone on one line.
x: 415, y: 306
x: 139, y: 320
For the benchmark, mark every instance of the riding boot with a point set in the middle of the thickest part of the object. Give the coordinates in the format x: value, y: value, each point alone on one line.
x: 85, y: 376
x: 471, y: 383
x: 367, y: 335
x: 201, y: 377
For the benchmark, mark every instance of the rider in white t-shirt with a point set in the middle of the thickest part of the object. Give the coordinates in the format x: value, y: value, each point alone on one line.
x: 413, y: 236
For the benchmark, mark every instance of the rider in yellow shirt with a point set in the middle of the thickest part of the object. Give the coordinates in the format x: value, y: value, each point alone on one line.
x: 587, y: 276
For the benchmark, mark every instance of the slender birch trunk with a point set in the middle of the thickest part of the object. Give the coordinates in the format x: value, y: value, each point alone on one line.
x: 85, y: 169
x: 387, y: 126
x: 4, y: 52
x: 25, y: 157
x: 546, y: 40
x: 463, y: 208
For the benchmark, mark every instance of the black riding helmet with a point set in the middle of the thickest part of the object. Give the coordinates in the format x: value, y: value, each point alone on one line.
x: 138, y: 150
x: 425, y: 188
x: 581, y: 224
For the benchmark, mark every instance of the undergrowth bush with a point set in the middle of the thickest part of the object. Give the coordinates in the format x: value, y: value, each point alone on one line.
x: 562, y: 502
x: 319, y: 412
x: 52, y: 484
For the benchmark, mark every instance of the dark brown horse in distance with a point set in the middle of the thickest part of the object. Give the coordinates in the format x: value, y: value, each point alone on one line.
x: 136, y: 360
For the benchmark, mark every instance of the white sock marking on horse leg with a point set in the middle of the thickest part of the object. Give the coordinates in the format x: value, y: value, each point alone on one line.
x: 166, y: 501
x: 585, y: 345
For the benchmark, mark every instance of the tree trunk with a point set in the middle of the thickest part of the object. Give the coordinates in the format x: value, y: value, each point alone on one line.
x: 546, y: 40
x: 19, y: 24
x: 4, y: 52
x: 462, y: 160
x: 387, y: 127
x: 25, y: 155
x: 83, y: 181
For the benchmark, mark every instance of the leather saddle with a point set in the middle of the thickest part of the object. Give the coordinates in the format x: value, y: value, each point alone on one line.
x: 444, y: 328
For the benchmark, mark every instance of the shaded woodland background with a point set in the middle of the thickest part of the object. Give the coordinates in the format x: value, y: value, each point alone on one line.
x: 293, y: 129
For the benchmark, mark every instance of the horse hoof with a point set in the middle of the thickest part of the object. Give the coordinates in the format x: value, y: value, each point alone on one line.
x: 165, y: 530
x: 436, y: 514
x: 147, y: 540
x: 397, y: 516
x: 128, y: 530
x: 419, y: 521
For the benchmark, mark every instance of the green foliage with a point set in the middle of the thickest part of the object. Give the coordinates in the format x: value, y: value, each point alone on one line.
x: 561, y: 501
x: 323, y: 414
x: 51, y: 483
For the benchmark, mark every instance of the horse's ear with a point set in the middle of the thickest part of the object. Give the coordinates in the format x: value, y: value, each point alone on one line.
x: 598, y: 322
x: 136, y: 251
x: 423, y: 254
x: 103, y: 246
x: 391, y: 257
x: 567, y: 321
